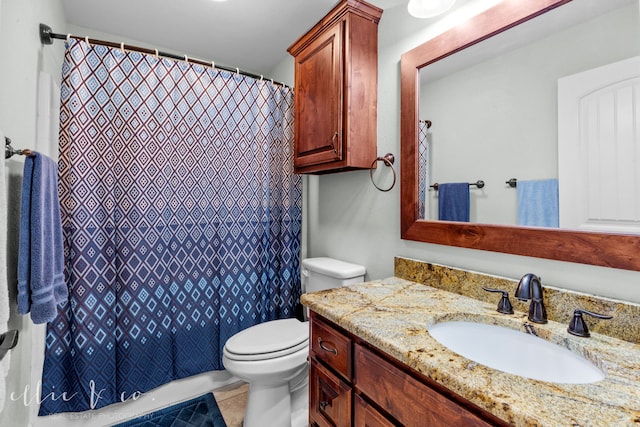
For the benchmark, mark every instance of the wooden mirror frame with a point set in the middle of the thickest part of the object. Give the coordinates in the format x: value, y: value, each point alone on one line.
x: 585, y: 247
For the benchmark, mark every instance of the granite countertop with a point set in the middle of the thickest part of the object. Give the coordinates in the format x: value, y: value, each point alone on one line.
x: 394, y: 314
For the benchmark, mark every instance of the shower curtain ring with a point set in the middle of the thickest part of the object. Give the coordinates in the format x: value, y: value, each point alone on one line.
x: 388, y: 160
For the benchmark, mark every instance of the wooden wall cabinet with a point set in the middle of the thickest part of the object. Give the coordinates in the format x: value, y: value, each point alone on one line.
x: 352, y: 383
x: 336, y: 84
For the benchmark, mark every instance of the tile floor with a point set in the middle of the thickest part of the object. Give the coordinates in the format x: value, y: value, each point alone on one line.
x: 232, y: 400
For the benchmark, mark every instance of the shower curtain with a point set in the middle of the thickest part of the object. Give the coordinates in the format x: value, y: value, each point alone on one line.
x: 424, y: 168
x: 181, y: 217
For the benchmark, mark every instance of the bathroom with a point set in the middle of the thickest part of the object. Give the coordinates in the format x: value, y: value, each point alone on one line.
x: 345, y: 216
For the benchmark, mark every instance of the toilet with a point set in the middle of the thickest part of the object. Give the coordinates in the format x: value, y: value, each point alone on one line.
x: 272, y: 356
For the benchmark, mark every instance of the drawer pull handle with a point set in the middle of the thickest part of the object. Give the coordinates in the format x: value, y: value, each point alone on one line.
x: 330, y: 350
x: 324, y: 404
x: 333, y: 141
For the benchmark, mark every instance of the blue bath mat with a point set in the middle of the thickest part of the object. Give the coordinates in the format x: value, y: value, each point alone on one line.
x: 202, y: 411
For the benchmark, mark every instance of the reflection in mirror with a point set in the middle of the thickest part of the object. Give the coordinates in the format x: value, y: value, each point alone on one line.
x: 535, y: 151
x: 494, y: 109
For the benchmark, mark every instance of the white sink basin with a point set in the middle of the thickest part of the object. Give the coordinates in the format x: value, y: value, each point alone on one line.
x: 515, y: 352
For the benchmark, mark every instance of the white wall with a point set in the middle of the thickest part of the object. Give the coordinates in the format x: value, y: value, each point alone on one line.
x: 23, y: 58
x: 347, y: 218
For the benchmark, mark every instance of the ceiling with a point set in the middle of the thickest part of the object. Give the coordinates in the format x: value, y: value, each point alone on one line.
x: 252, y: 35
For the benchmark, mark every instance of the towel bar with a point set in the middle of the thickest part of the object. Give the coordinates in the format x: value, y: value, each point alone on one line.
x: 8, y: 340
x: 10, y: 151
x: 479, y: 183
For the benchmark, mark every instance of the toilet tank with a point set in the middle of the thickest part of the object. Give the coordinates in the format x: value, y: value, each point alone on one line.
x: 323, y: 273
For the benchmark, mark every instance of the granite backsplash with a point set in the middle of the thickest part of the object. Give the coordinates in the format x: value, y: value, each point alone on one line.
x: 559, y: 303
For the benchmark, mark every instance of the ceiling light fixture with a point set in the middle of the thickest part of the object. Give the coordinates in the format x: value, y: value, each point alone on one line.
x: 429, y: 8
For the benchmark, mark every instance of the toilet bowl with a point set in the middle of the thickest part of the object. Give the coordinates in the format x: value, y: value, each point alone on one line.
x: 272, y: 356
x: 268, y: 356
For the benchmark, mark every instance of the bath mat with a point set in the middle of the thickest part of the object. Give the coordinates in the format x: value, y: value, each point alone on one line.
x: 202, y: 411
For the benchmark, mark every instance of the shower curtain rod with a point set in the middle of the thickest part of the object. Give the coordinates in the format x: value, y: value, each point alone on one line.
x: 47, y: 35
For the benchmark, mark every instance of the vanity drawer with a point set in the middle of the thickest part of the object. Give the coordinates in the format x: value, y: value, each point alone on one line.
x: 410, y: 401
x: 329, y: 398
x: 331, y: 346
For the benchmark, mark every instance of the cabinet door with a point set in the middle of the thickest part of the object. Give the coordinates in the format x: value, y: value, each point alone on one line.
x: 319, y: 100
x: 329, y: 398
x: 366, y: 415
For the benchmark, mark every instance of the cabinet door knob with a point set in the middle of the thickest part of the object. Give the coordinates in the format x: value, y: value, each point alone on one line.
x: 327, y: 349
x: 324, y: 404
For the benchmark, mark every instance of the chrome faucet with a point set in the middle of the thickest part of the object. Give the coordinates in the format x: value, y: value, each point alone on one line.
x: 530, y: 288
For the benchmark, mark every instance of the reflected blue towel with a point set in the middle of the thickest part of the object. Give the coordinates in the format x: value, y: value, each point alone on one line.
x: 453, y: 201
x: 41, y: 284
x: 538, y: 203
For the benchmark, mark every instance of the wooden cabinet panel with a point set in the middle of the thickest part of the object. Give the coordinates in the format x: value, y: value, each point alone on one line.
x: 318, y: 106
x: 366, y: 415
x: 332, y: 347
x: 329, y: 397
x: 410, y: 401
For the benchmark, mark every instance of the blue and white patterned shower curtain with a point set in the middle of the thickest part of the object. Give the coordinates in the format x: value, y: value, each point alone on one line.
x: 181, y: 217
x: 424, y: 168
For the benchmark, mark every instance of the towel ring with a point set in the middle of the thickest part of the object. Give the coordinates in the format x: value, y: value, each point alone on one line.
x: 388, y: 160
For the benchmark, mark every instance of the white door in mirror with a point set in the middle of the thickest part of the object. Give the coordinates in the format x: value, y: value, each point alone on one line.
x: 599, y: 148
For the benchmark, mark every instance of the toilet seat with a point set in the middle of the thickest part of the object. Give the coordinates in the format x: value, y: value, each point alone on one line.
x: 268, y: 340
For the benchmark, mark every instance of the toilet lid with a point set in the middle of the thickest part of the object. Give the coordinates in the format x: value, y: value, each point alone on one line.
x: 269, y: 339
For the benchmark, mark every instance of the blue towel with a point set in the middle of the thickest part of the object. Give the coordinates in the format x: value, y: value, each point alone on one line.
x: 453, y: 201
x: 538, y: 203
x: 41, y: 284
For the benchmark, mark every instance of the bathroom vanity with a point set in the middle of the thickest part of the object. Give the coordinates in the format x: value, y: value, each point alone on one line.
x: 373, y: 362
x: 352, y: 380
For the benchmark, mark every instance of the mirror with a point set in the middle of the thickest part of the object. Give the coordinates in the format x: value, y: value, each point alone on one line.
x: 615, y: 250
x: 509, y: 127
